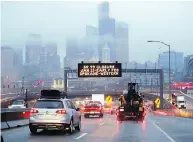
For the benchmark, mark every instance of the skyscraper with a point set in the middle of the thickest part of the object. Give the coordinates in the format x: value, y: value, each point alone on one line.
x: 18, y: 57
x: 7, y: 59
x: 176, y: 61
x: 176, y: 65
x: 51, y: 48
x: 107, y: 35
x: 103, y: 10
x: 73, y: 53
x: 89, y: 45
x: 122, y: 43
x: 188, y: 72
x: 72, y: 48
x: 91, y: 31
x: 8, y: 72
x: 106, y: 31
x: 33, y: 48
x: 106, y: 54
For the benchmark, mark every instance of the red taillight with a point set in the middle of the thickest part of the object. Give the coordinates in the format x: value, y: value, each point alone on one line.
x: 34, y: 111
x: 62, y: 111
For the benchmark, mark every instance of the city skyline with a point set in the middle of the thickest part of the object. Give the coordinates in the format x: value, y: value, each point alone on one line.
x: 167, y: 31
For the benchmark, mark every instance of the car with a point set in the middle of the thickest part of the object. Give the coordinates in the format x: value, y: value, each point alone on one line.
x: 18, y: 104
x: 93, y: 108
x: 54, y: 112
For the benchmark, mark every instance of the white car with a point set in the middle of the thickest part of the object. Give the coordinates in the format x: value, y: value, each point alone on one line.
x: 18, y: 104
x: 54, y: 114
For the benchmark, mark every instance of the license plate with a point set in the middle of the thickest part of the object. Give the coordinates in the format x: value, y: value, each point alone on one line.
x: 91, y: 112
x: 121, y: 109
x: 140, y: 109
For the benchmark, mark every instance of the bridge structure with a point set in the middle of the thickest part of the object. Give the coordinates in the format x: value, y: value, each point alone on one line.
x: 153, y: 71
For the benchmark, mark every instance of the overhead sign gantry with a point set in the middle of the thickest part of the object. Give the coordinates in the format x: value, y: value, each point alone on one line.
x: 110, y: 70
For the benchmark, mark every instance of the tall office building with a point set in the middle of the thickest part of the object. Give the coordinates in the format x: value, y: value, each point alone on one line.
x: 74, y: 54
x: 176, y: 61
x: 18, y: 57
x: 106, y: 31
x: 188, y: 70
x: 51, y: 48
x: 122, y: 43
x: 103, y: 10
x: 186, y: 61
x: 89, y: 45
x: 106, y: 54
x: 49, y: 59
x: 107, y: 35
x: 72, y: 48
x: 8, y: 72
x: 91, y: 31
x: 176, y: 65
x: 33, y: 48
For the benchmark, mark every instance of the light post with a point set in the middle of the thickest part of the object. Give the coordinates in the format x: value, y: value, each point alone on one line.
x: 146, y: 75
x: 135, y: 70
x: 169, y: 64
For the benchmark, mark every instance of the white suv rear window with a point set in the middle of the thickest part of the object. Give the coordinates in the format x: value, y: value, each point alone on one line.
x: 18, y: 102
x: 49, y: 104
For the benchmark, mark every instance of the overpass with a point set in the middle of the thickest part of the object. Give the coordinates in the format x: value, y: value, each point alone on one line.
x: 67, y: 71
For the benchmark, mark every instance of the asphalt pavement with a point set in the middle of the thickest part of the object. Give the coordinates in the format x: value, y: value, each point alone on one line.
x: 107, y: 129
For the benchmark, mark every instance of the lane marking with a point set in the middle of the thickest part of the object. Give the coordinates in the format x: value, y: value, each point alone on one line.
x: 82, y: 135
x: 172, y: 140
x: 102, y: 123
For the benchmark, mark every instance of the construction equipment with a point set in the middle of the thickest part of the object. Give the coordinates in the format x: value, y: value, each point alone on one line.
x: 131, y: 104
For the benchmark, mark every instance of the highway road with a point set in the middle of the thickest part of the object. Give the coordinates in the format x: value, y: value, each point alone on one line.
x: 107, y: 129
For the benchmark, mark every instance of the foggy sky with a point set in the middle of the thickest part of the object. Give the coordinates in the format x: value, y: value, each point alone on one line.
x: 170, y: 22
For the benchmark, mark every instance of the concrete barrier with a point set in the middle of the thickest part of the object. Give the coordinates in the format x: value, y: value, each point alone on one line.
x: 176, y: 113
x: 14, y: 118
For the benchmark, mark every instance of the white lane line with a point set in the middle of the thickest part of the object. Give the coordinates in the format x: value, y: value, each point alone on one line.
x: 172, y: 140
x: 82, y: 135
x: 102, y: 123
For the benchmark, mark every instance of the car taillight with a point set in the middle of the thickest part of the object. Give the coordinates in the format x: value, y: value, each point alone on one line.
x: 62, y: 111
x: 34, y: 111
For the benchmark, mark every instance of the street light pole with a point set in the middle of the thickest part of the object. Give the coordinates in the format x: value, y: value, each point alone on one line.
x: 169, y: 65
x: 169, y: 74
x: 22, y: 88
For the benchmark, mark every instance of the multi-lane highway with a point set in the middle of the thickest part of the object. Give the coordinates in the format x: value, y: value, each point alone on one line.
x: 107, y: 129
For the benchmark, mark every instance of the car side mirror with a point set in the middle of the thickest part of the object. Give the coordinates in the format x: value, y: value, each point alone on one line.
x: 77, y: 109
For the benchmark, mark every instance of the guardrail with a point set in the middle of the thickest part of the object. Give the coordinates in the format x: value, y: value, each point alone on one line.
x: 14, y: 118
x: 177, y: 113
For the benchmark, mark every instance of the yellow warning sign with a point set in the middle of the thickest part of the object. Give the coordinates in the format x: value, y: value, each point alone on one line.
x: 109, y: 99
x: 157, y: 102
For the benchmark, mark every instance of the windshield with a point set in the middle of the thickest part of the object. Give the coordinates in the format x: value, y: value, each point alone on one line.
x: 94, y: 104
x: 180, y: 101
x: 18, y: 102
x: 49, y: 104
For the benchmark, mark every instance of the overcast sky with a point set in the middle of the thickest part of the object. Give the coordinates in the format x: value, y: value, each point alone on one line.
x: 171, y: 22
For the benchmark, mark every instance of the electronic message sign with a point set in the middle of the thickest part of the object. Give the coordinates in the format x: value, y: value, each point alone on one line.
x: 99, y: 70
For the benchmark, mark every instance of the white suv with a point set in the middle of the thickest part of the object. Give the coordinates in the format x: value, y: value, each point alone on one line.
x: 18, y: 104
x: 54, y: 114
